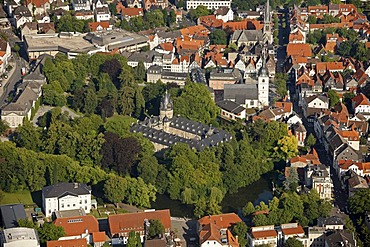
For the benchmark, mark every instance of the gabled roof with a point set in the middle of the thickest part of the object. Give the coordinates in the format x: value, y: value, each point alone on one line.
x: 230, y: 106
x: 360, y: 99
x: 10, y: 214
x: 126, y: 222
x: 302, y: 50
x: 222, y: 221
x: 75, y: 226
x: 99, y: 237
x: 131, y: 12
x: 94, y: 25
x: 81, y: 242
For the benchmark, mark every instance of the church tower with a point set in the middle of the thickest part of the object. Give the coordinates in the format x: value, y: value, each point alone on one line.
x: 267, y: 34
x: 263, y: 84
x: 166, y: 108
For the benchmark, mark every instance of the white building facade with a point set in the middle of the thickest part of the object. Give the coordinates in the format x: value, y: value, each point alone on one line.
x: 66, y: 196
x: 193, y: 4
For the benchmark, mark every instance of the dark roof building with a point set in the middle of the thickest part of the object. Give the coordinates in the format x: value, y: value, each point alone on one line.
x: 61, y: 189
x: 340, y: 238
x: 10, y: 214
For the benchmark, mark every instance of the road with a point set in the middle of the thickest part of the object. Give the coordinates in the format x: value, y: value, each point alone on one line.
x: 16, y: 77
x: 281, y: 48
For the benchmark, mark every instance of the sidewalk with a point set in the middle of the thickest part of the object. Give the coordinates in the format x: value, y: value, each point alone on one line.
x: 4, y: 82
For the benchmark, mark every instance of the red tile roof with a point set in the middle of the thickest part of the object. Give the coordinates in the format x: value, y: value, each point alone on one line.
x: 74, y: 226
x: 94, y: 25
x: 264, y: 234
x: 293, y: 231
x: 99, y: 237
x: 302, y: 50
x: 121, y: 223
x: 360, y: 99
x: 132, y: 12
x: 222, y: 220
x: 82, y: 242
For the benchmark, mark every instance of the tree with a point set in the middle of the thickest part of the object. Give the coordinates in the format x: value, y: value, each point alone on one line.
x: 131, y: 241
x: 291, y: 181
x: 287, y: 147
x: 329, y: 19
x: 156, y: 229
x: 359, y: 203
x: 312, y: 19
x: 120, y: 154
x: 114, y: 189
x: 310, y: 140
x: 218, y: 37
x: 201, y: 10
x: 293, y: 242
x: 112, y: 9
x: 16, y: 48
x: 195, y: 103
x: 280, y: 82
x: 140, y: 72
x: 49, y: 231
x: 240, y: 229
x: 3, y: 126
x: 248, y: 209
x: 148, y: 169
x: 334, y: 97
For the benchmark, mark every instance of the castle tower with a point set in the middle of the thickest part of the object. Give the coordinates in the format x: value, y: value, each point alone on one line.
x: 263, y: 84
x: 166, y: 108
x: 267, y: 34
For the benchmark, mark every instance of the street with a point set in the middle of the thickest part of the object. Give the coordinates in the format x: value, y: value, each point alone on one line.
x: 16, y: 76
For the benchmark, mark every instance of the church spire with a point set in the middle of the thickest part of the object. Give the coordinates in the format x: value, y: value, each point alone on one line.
x: 267, y: 17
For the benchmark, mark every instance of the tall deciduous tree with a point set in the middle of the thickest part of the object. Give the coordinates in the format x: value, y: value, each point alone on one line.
x: 156, y: 229
x: 115, y: 188
x: 334, y: 97
x: 293, y: 242
x: 218, y: 37
x: 195, y: 103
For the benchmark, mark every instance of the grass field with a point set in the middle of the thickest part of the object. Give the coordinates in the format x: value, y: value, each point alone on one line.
x: 19, y: 197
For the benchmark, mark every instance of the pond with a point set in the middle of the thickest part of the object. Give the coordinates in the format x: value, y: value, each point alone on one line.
x: 256, y: 192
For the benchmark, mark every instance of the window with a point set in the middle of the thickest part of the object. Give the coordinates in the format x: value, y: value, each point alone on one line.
x: 80, y: 201
x: 74, y: 205
x: 68, y: 205
x: 62, y: 205
x: 85, y: 201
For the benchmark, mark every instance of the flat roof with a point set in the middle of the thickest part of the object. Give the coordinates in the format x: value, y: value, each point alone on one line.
x: 54, y: 42
x: 18, y: 234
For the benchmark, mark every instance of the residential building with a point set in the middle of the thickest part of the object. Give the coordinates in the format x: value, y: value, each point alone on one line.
x: 210, y: 4
x: 21, y: 15
x: 80, y: 5
x: 81, y: 242
x: 292, y: 230
x: 340, y: 238
x: 102, y: 14
x: 225, y: 14
x: 318, y: 177
x: 215, y: 230
x: 300, y: 133
x: 78, y: 227
x: 231, y: 110
x: 5, y: 54
x: 120, y: 225
x: 99, y: 4
x: 361, y: 104
x: 133, y: 3
x: 38, y: 7
x: 149, y: 4
x: 84, y: 14
x: 10, y: 214
x: 128, y: 13
x: 66, y: 196
x: 262, y: 235
x: 19, y: 237
x: 14, y: 113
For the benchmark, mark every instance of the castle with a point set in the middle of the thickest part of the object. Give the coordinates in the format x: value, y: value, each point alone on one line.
x: 166, y: 130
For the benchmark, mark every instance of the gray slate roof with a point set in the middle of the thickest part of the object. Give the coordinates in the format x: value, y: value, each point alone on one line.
x: 340, y: 238
x: 208, y: 136
x: 240, y: 92
x: 10, y: 214
x: 61, y: 189
x: 247, y: 35
x: 230, y: 106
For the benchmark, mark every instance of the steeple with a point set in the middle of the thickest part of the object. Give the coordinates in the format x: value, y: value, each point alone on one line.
x: 166, y: 108
x: 267, y: 35
x: 263, y: 71
x: 267, y: 17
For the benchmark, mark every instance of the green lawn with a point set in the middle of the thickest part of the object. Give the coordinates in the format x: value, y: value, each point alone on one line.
x: 19, y: 197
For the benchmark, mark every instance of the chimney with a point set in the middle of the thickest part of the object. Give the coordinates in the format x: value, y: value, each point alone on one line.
x: 75, y: 185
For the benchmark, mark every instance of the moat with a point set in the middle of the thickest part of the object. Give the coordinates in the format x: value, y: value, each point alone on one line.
x: 255, y: 192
